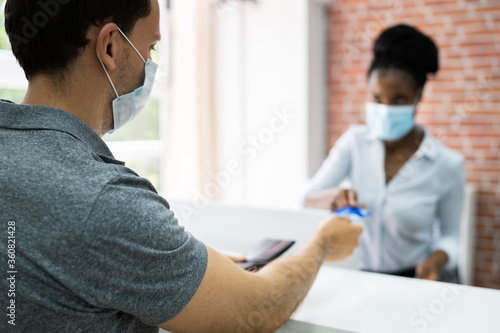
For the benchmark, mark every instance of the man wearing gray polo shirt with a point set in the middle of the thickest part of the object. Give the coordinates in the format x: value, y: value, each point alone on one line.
x: 89, y: 246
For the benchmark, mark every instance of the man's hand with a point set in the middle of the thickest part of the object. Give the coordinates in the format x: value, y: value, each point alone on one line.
x: 339, y: 238
x: 229, y: 297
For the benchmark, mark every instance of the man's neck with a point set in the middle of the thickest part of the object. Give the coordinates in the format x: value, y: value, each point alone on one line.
x: 44, y: 92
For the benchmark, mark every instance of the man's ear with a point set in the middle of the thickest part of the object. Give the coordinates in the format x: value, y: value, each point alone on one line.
x: 107, y: 45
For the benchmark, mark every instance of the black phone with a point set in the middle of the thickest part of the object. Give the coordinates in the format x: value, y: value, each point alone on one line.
x: 265, y: 251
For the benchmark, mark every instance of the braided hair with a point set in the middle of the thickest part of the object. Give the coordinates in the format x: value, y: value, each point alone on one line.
x: 405, y: 48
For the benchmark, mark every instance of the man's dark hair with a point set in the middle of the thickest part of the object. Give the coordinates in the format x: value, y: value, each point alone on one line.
x: 48, y: 35
x: 405, y: 48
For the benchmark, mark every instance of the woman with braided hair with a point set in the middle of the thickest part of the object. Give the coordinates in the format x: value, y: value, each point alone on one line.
x: 412, y: 184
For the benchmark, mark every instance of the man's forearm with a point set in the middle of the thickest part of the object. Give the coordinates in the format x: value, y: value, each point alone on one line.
x: 230, y: 299
x: 287, y: 282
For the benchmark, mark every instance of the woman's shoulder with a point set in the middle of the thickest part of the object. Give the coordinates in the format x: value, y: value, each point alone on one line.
x: 449, y: 157
x: 358, y: 131
x: 353, y: 136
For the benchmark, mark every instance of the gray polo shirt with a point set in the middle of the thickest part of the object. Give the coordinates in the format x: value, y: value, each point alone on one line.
x: 96, y: 248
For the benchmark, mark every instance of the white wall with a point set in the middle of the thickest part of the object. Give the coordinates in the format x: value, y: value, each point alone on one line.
x: 263, y: 66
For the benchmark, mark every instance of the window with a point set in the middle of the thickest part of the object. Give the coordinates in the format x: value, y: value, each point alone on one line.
x: 4, y: 40
x: 12, y: 81
x: 141, y: 144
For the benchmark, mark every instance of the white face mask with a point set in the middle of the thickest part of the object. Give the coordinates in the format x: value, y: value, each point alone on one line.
x: 390, y: 122
x: 128, y: 106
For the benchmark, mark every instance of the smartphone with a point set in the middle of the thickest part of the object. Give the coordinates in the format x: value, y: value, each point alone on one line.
x: 264, y: 252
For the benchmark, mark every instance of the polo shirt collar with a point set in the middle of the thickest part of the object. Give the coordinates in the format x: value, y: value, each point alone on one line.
x: 29, y: 117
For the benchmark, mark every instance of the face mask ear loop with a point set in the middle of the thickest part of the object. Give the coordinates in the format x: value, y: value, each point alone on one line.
x: 419, y: 92
x: 109, y: 78
x: 128, y: 40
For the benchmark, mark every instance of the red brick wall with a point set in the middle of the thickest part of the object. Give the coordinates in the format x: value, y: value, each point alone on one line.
x: 461, y: 104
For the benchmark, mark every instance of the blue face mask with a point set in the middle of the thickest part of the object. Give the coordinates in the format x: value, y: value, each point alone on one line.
x: 390, y: 122
x: 128, y: 106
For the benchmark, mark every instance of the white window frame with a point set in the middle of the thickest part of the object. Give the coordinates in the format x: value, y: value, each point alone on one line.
x: 12, y: 74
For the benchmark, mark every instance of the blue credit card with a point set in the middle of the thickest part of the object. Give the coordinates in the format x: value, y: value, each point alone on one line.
x: 353, y: 213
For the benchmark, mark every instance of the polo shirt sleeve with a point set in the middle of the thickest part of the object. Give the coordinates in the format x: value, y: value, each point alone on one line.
x: 133, y: 255
x: 449, y: 213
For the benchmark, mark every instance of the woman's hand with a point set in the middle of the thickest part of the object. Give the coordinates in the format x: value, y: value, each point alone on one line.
x: 344, y: 198
x: 427, y: 270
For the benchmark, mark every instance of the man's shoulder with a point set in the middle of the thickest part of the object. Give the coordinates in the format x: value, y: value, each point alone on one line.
x: 56, y: 173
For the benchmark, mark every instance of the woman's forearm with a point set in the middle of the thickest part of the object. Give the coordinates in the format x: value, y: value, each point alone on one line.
x: 439, y: 259
x: 321, y: 199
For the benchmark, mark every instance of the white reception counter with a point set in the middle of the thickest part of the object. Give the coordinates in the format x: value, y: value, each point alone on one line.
x: 343, y: 299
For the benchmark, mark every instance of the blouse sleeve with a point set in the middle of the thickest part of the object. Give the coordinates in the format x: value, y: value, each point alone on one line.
x: 449, y: 216
x: 336, y: 166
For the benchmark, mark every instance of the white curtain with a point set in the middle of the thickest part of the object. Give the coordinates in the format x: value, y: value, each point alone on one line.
x: 192, y: 134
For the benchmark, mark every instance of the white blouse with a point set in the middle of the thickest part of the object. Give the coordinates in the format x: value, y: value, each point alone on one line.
x: 415, y: 214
